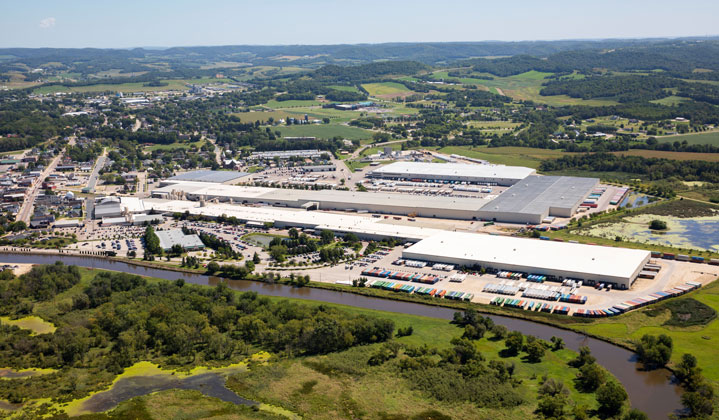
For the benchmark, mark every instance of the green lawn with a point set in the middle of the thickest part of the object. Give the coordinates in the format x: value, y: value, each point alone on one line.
x: 174, y: 146
x: 355, y: 165
x: 697, y: 340
x: 324, y: 131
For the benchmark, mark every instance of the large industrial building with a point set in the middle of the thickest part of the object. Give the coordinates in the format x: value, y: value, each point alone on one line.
x: 600, y: 264
x: 215, y: 177
x: 388, y: 203
x: 589, y: 263
x: 537, y: 197
x: 453, y: 172
x: 364, y: 227
x: 169, y: 238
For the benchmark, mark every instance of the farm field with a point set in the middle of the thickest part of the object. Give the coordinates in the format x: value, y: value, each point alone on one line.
x: 324, y: 131
x: 516, y: 156
x: 708, y: 157
x: 695, y: 138
x: 290, y: 104
x: 386, y: 90
x: 344, y: 88
x: 525, y: 86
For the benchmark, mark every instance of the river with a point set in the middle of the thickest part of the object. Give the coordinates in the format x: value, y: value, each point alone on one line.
x: 653, y: 392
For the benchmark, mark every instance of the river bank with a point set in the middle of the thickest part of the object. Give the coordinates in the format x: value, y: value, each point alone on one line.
x: 651, y: 392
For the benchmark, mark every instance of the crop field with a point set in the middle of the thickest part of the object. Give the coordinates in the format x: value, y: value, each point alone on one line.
x: 324, y: 131
x: 694, y: 138
x: 266, y: 115
x: 517, y: 156
x: 709, y: 157
x: 290, y: 104
x: 525, y: 86
x: 344, y: 88
x: 386, y: 90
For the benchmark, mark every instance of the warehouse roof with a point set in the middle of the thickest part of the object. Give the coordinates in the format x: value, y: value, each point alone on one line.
x: 313, y: 219
x: 454, y: 169
x: 350, y: 198
x: 550, y: 255
x: 537, y: 194
x: 209, y: 176
x: 171, y: 237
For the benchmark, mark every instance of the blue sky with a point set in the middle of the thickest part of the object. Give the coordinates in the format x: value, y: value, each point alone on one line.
x: 133, y: 23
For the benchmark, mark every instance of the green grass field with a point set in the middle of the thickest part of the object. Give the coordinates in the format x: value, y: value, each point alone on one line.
x: 670, y: 100
x: 325, y: 131
x: 290, y: 104
x: 694, y: 138
x: 697, y: 340
x: 708, y: 157
x: 515, y: 156
x: 174, y: 146
x: 525, y: 86
x: 344, y: 88
x: 386, y: 89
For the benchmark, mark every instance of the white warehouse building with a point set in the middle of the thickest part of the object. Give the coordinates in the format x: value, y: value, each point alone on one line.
x: 387, y: 203
x: 537, y: 197
x: 589, y: 263
x: 453, y: 172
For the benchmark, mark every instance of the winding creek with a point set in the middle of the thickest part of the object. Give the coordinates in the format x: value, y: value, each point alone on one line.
x: 652, y: 392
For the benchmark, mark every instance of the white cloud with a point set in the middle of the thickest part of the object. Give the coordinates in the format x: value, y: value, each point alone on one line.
x: 47, y: 23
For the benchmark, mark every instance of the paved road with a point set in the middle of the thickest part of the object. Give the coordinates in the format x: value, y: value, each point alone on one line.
x: 28, y: 204
x: 96, y: 170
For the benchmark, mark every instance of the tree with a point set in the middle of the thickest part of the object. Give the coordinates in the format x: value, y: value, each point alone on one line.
x: 535, y: 351
x: 655, y: 351
x: 635, y: 414
x: 584, y: 357
x: 611, y: 397
x: 176, y: 249
x: 499, y: 331
x: 256, y: 258
x: 700, y: 401
x: 687, y: 371
x: 658, y: 225
x: 590, y: 377
x: 514, y: 343
x: 327, y: 237
x: 294, y: 234
x: 552, y: 406
x: 557, y: 343
x: 213, y: 267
